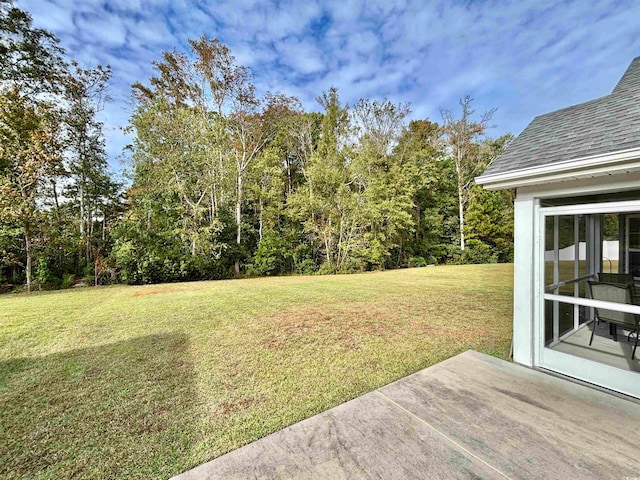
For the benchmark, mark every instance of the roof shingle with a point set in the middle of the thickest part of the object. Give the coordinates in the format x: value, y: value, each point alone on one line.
x: 600, y: 126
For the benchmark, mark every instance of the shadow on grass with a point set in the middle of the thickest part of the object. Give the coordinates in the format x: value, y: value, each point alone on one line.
x: 125, y: 409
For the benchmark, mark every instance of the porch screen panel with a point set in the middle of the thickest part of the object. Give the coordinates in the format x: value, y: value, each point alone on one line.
x: 633, y: 239
x: 610, y: 224
x: 549, y: 251
x: 566, y: 272
x: 568, y: 263
x: 583, y: 266
x: 566, y: 253
x: 548, y: 321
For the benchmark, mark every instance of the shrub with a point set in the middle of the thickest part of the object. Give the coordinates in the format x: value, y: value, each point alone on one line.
x: 355, y: 265
x: 306, y: 267
x: 417, y: 262
x: 68, y: 279
x: 478, y: 252
x: 44, y: 279
x: 326, y: 269
x: 304, y: 259
x: 272, y: 255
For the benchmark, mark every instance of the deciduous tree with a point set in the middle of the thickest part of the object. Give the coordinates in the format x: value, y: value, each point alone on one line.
x: 462, y: 134
x: 29, y: 154
x: 89, y: 185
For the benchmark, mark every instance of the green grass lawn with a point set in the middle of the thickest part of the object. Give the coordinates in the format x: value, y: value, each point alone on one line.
x: 149, y: 381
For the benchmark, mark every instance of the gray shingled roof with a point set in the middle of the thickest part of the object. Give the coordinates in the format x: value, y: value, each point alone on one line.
x: 604, y: 125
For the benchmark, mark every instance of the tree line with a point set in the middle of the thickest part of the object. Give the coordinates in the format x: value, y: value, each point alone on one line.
x: 224, y: 181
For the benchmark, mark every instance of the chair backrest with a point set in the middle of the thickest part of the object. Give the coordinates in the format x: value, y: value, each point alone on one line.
x: 621, y: 278
x: 613, y: 292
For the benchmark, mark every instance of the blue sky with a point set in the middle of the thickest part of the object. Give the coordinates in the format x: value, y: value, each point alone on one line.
x: 524, y: 57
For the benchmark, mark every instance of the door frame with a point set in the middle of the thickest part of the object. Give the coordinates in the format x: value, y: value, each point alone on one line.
x: 612, y: 378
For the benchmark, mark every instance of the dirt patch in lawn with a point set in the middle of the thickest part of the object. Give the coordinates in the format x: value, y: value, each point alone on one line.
x: 272, y: 342
x: 155, y: 291
x: 362, y: 318
x: 232, y: 406
x: 354, y: 323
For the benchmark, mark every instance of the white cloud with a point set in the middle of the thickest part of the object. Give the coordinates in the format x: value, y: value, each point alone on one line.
x: 104, y: 31
x: 57, y: 18
x: 147, y: 31
x: 285, y: 21
x: 525, y: 57
x: 302, y: 57
x: 365, y: 43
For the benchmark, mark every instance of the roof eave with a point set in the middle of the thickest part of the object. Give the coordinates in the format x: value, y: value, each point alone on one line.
x: 621, y: 161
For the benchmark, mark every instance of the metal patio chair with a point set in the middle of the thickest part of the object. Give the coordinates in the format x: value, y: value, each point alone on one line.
x: 615, y: 292
x: 622, y: 279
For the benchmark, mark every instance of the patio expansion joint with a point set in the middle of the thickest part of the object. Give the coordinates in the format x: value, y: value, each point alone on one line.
x: 443, y: 435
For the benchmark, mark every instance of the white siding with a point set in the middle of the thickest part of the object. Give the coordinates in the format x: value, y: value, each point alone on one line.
x: 523, y: 288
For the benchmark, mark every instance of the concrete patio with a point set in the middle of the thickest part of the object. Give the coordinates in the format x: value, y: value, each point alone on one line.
x: 603, y: 349
x: 472, y: 416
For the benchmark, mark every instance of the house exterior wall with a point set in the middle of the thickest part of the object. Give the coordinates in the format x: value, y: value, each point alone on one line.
x: 523, y: 273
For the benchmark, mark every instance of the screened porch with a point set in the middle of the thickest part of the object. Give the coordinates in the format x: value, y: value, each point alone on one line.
x: 592, y: 278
